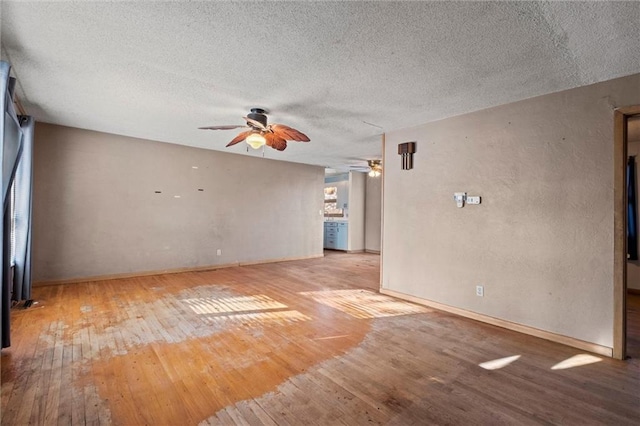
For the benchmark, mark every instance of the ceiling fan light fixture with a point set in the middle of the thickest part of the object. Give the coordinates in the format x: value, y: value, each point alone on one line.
x: 256, y: 140
x: 376, y: 168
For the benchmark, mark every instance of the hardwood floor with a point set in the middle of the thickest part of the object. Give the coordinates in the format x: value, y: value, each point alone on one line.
x: 633, y: 326
x: 303, y: 342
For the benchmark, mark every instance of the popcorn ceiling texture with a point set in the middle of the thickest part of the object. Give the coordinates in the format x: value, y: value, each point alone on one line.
x: 160, y: 70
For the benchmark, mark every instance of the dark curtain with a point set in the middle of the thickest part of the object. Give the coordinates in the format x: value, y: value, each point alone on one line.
x: 23, y: 184
x: 16, y: 139
x: 632, y: 226
x: 5, y: 129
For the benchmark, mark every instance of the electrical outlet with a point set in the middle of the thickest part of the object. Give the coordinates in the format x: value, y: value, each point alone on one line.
x: 479, y: 291
x: 473, y: 199
x: 219, y: 252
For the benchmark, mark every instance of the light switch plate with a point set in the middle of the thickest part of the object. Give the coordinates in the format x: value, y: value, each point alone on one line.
x: 459, y: 198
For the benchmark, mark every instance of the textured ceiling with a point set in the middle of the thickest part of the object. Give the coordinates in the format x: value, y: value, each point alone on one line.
x: 339, y: 71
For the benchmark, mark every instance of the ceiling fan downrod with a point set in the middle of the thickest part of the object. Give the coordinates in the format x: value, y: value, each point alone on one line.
x: 259, y: 115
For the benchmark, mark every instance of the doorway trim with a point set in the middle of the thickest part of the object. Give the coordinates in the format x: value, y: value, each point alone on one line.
x: 383, y: 141
x: 620, y: 117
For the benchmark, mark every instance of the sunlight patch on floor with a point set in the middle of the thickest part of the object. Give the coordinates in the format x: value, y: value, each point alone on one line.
x: 259, y: 302
x: 243, y: 310
x: 499, y: 363
x: 257, y: 318
x: 576, y: 361
x: 364, y: 304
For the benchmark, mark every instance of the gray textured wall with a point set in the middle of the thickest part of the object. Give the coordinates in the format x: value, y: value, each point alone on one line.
x: 373, y: 212
x: 96, y: 211
x: 541, y: 242
x: 357, y: 182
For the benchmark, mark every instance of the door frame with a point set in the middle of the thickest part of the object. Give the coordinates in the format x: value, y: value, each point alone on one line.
x: 620, y: 118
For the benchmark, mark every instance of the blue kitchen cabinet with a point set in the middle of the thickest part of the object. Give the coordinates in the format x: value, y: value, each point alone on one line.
x: 336, y: 235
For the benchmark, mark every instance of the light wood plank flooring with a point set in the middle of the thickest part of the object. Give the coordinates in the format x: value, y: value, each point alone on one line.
x: 293, y: 343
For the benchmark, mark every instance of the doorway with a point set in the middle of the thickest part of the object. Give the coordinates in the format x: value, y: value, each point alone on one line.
x: 633, y: 260
x: 622, y: 118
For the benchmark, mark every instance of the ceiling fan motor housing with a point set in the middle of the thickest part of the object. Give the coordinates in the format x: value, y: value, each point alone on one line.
x: 259, y: 115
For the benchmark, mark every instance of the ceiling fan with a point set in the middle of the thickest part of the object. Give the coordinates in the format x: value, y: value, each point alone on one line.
x: 373, y: 167
x: 376, y: 167
x: 260, y: 133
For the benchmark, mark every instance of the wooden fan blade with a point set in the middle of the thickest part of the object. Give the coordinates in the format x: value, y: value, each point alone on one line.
x: 241, y: 136
x: 275, y: 141
x: 288, y: 133
x: 258, y: 125
x: 229, y: 127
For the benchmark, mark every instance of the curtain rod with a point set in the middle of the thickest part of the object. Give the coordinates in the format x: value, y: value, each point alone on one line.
x: 18, y: 104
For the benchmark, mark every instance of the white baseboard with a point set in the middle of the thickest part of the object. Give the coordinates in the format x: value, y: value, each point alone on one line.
x: 167, y: 271
x: 558, y: 338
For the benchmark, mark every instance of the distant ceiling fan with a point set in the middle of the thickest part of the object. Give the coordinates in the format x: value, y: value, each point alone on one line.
x: 260, y: 133
x: 374, y: 168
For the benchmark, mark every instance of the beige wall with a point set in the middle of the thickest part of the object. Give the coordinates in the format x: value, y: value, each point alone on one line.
x: 96, y: 211
x: 541, y: 242
x: 373, y: 212
x: 356, y: 211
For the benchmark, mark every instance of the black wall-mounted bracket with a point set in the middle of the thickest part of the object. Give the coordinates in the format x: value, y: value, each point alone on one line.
x: 406, y: 150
